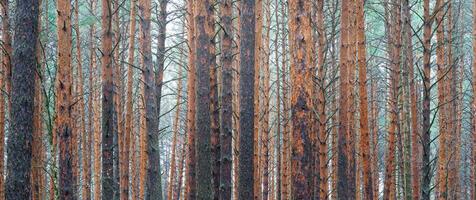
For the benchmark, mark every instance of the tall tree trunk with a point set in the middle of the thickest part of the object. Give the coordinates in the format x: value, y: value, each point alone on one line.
x: 190, y: 185
x: 129, y: 106
x: 247, y: 108
x: 205, y: 52
x: 425, y: 139
x: 415, y: 132
x: 173, y: 167
x: 226, y: 109
x: 321, y: 101
x: 117, y: 96
x: 38, y: 154
x: 159, y: 76
x: 22, y: 107
x: 278, y: 104
x: 107, y: 100
x: 64, y: 117
x: 364, y: 121
x: 80, y: 90
x: 215, y: 131
x: 154, y: 190
x: 442, y: 101
x: 394, y: 38
x: 95, y: 108
x: 286, y: 164
x: 344, y: 123
x: 256, y: 93
x: 301, y: 105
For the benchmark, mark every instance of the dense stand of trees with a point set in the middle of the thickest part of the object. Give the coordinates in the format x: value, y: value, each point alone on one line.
x: 250, y: 99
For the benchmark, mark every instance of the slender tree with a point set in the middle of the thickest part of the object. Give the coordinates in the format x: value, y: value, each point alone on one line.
x: 425, y: 138
x: 190, y: 189
x: 129, y: 104
x: 226, y: 109
x: 173, y: 162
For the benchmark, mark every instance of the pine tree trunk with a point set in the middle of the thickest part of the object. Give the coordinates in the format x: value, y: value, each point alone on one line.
x: 124, y: 169
x: 442, y: 118
x: 364, y: 121
x: 64, y: 116
x: 247, y: 162
x: 301, y: 105
x: 107, y: 100
x: 256, y: 100
x: 278, y: 105
x: 190, y: 185
x: 154, y: 190
x: 118, y: 132
x: 205, y: 52
x: 226, y: 101
x: 23, y: 83
x: 38, y: 154
x: 286, y: 164
x: 94, y: 107
x: 344, y: 123
x: 215, y: 132
x: 394, y: 38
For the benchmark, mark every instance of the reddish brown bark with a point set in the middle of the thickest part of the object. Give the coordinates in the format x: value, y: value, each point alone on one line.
x: 301, y: 106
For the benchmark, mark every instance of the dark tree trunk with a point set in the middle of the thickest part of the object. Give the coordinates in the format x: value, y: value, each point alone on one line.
x: 205, y: 60
x: 154, y: 191
x: 247, y: 73
x: 107, y: 102
x: 23, y: 81
x: 226, y: 101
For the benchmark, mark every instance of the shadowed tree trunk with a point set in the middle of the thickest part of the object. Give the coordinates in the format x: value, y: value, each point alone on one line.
x: 205, y: 60
x: 154, y: 190
x: 226, y: 101
x: 107, y: 100
x: 246, y: 96
x: 23, y: 81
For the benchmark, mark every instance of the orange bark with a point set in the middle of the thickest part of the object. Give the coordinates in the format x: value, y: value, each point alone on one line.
x: 190, y: 185
x: 256, y: 94
x: 129, y: 127
x: 364, y: 121
x: 301, y: 104
x: 63, y: 120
